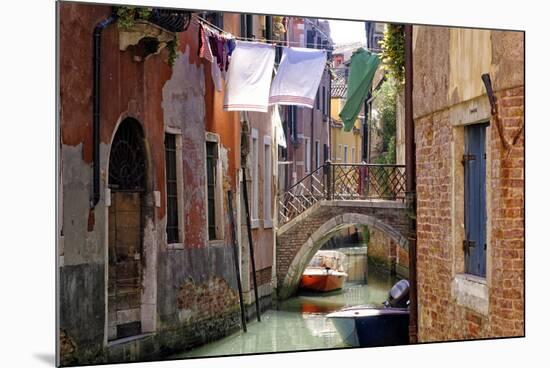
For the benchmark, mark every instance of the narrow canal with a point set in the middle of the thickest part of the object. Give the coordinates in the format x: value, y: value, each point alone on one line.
x: 299, y: 323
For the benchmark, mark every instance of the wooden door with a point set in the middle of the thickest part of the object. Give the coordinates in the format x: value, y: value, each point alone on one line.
x: 127, y: 184
x: 125, y: 264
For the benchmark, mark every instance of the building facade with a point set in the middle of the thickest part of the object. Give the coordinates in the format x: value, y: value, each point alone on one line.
x: 346, y: 146
x: 307, y: 130
x: 470, y: 183
x: 147, y: 156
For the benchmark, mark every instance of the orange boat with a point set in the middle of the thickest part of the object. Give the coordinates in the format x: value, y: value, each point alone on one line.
x: 324, y: 272
x: 322, y: 279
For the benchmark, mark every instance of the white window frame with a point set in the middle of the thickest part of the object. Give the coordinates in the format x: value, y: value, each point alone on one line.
x: 353, y: 154
x: 307, y: 155
x: 267, y: 177
x: 255, y: 162
x: 218, y: 194
x: 179, y: 188
x: 340, y: 154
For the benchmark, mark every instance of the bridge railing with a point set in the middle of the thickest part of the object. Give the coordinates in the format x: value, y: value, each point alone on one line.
x: 339, y: 181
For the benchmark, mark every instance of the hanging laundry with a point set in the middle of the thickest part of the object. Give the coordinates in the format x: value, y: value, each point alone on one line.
x: 278, y: 126
x: 249, y: 77
x: 361, y: 73
x: 221, y: 52
x: 216, y: 76
x: 230, y: 45
x: 213, y: 41
x: 204, y: 45
x: 298, y: 77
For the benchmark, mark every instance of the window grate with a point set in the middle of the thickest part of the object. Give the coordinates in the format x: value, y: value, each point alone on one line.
x: 211, y: 158
x: 127, y: 158
x: 172, y: 228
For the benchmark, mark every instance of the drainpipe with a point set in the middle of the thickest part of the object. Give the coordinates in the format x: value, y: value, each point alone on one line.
x: 410, y: 152
x: 96, y: 89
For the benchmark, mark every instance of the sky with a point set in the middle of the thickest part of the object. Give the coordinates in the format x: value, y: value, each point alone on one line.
x: 343, y: 31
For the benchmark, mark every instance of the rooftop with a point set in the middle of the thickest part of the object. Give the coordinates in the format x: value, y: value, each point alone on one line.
x: 339, y: 87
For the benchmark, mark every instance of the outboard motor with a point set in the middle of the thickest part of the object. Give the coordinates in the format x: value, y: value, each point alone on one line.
x: 399, y: 295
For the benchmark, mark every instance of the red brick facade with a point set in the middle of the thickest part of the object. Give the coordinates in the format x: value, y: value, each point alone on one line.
x: 441, y: 316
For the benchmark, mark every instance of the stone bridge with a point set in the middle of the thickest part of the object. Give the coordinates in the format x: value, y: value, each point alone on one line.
x: 299, y: 239
x: 329, y: 199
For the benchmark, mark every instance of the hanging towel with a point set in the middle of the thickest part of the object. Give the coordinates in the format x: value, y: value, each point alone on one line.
x: 361, y: 73
x: 298, y: 77
x: 278, y: 126
x: 249, y: 77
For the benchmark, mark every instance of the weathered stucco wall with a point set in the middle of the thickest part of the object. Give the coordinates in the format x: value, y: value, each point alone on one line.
x: 448, y: 64
x: 188, y: 291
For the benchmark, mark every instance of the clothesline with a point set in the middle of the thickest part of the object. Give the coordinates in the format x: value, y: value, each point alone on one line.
x: 198, y: 19
x: 275, y: 43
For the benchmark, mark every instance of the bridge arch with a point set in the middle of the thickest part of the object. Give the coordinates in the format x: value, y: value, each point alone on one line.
x: 288, y: 284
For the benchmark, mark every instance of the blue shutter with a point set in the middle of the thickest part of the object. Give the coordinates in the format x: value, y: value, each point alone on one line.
x: 475, y: 200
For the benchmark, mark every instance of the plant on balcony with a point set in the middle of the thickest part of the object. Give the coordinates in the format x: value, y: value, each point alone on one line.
x: 127, y: 15
x: 172, y: 47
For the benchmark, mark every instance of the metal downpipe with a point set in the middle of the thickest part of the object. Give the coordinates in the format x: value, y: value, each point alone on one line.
x: 96, y: 108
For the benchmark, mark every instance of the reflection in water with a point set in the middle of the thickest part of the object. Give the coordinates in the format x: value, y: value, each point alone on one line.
x: 298, y: 323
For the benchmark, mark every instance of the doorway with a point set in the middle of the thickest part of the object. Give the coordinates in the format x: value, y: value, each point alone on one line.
x: 127, y: 185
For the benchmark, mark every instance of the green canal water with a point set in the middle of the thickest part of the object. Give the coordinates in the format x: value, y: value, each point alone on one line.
x: 298, y: 323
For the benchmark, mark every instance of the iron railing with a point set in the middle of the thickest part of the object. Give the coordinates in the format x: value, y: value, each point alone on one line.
x: 342, y: 182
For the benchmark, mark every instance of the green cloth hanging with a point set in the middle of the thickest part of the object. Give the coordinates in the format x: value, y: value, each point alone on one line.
x: 361, y: 73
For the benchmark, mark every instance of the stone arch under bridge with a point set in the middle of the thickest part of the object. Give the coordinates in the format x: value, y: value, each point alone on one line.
x: 299, y: 239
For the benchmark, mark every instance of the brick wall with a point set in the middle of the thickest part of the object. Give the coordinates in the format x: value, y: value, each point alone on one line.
x: 381, y: 249
x: 507, y: 231
x: 441, y: 316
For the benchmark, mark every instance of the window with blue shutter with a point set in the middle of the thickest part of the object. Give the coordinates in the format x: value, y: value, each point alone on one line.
x: 475, y: 214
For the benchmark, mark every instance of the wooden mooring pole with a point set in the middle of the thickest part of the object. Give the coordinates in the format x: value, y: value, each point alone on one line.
x: 236, y: 258
x: 249, y: 230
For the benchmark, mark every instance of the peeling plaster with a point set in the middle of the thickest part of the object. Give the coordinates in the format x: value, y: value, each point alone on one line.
x: 81, y: 245
x: 184, y: 109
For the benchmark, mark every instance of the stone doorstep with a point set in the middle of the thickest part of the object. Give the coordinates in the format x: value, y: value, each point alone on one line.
x: 129, y: 339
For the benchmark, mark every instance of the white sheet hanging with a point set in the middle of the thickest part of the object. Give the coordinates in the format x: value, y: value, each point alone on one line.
x: 278, y: 126
x: 298, y: 77
x: 249, y: 77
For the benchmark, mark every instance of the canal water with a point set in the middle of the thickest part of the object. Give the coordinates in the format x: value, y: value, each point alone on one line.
x: 299, y: 323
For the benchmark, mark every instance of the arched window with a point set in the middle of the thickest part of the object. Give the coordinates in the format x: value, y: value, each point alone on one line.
x: 127, y: 158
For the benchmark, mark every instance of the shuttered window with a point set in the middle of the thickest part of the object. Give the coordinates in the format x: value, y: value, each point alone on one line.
x: 211, y: 158
x: 310, y: 41
x: 475, y: 216
x: 172, y: 230
x: 324, y: 101
x: 317, y: 100
x: 317, y: 155
x: 292, y: 117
